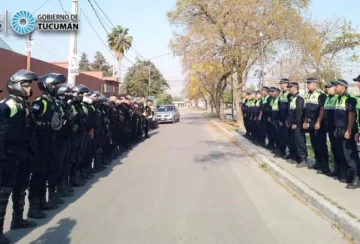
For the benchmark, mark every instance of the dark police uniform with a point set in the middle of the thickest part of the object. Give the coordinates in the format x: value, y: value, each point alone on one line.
x: 148, y: 112
x: 244, y: 110
x: 295, y: 122
x: 265, y: 112
x: 329, y: 107
x: 45, y: 108
x: 276, y: 118
x: 315, y: 102
x: 256, y: 118
x: 284, y: 113
x: 344, y: 106
x: 18, y: 147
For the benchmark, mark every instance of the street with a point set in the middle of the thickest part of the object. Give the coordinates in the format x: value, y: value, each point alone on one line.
x: 186, y: 184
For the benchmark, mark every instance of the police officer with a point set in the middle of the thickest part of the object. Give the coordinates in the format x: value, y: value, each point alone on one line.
x: 148, y: 112
x: 329, y: 107
x: 78, y: 141
x: 284, y: 113
x: 265, y: 112
x: 48, y: 119
x: 275, y: 119
x: 18, y: 148
x: 345, y: 130
x: 62, y: 144
x: 257, y: 118
x: 295, y: 121
x: 314, y: 123
x: 252, y: 123
x: 113, y: 116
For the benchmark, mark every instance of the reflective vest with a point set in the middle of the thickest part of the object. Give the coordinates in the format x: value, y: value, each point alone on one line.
x: 293, y: 102
x: 284, y: 97
x: 340, y: 113
x: 275, y: 104
x: 330, y: 102
x: 313, y: 98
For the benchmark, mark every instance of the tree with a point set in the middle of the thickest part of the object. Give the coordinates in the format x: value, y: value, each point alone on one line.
x: 120, y: 42
x: 100, y: 64
x: 325, y: 46
x: 136, y: 80
x: 84, y: 63
x: 227, y: 96
x: 228, y: 31
x: 164, y: 98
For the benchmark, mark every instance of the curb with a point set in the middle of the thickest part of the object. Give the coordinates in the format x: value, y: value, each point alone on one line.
x: 341, y: 218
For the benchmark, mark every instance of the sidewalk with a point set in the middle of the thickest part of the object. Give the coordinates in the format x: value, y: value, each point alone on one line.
x: 326, y: 194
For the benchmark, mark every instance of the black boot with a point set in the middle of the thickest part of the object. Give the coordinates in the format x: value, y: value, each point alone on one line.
x: 34, y: 209
x: 62, y: 191
x: 76, y: 181
x: 18, y: 221
x: 53, y: 196
x: 46, y: 205
x: 4, y: 198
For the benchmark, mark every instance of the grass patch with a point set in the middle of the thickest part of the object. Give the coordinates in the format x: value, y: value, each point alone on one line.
x: 264, y: 167
x: 311, y: 153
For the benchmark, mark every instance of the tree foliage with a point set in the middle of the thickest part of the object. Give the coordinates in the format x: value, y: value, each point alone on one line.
x: 84, y: 64
x: 216, y: 38
x: 100, y: 64
x: 164, y: 98
x: 136, y: 80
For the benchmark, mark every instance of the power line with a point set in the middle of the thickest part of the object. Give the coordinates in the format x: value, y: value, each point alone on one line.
x: 63, y: 7
x: 115, y: 27
x: 41, y: 6
x: 98, y: 17
x: 112, y: 54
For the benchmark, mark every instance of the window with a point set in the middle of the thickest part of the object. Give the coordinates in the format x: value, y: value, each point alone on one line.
x: 109, y: 89
x: 166, y: 109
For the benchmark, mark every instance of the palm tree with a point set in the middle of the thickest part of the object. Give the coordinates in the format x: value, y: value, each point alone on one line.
x: 119, y: 42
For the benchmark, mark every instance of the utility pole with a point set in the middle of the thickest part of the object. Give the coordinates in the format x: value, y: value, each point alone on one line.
x: 262, y: 58
x: 149, y: 82
x: 29, y: 45
x: 73, y: 43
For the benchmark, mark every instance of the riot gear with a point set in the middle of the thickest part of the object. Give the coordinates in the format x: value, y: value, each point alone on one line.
x: 48, y: 82
x: 14, y: 86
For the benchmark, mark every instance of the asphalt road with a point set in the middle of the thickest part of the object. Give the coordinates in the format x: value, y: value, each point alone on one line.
x: 186, y: 184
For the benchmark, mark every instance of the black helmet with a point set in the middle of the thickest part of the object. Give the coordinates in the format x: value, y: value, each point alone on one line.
x: 46, y: 82
x: 14, y: 83
x: 81, y: 89
x: 62, y: 89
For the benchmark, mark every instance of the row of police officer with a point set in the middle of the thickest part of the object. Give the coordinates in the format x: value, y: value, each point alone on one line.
x: 283, y: 117
x: 58, y: 142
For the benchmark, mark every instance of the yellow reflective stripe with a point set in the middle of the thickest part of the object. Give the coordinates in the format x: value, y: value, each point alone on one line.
x: 45, y: 106
x: 12, y: 105
x: 85, y: 109
x: 73, y: 110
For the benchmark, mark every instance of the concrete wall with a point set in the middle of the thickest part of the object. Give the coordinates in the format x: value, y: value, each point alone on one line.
x: 10, y: 62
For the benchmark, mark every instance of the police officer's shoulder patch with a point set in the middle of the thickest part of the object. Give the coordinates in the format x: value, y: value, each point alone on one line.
x: 36, y: 106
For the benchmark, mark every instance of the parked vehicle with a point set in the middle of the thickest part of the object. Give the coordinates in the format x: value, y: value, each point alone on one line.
x: 167, y: 113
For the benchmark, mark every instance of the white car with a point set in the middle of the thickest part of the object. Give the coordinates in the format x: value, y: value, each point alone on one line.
x: 167, y: 113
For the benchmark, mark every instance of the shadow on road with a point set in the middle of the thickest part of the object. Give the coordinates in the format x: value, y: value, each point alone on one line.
x: 58, y: 234
x: 17, y: 235
x: 219, y: 153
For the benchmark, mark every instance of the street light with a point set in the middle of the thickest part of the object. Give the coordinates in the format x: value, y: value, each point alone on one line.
x: 261, y: 34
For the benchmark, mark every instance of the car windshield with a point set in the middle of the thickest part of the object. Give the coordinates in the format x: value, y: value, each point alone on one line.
x: 165, y: 109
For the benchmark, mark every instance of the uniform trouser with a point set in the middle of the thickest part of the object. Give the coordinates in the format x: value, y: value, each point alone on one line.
x: 335, y: 145
x: 64, y: 177
x: 263, y: 129
x: 270, y: 131
x: 140, y: 127
x: 298, y: 137
x: 57, y: 161
x: 84, y: 144
x: 318, y: 142
x: 291, y: 140
x: 146, y: 126
x: 280, y: 137
x: 91, y: 149
x: 348, y: 150
x: 246, y: 123
x: 115, y: 137
x: 39, y: 175
x: 15, y: 172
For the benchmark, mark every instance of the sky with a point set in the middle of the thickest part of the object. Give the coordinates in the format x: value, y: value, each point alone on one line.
x: 147, y: 23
